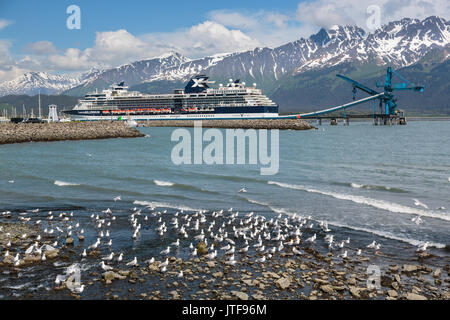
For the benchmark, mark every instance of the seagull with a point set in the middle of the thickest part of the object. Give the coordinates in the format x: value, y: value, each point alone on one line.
x: 117, y: 198
x: 84, y: 254
x: 423, y: 247
x: 211, y: 255
x: 132, y: 263
x: 261, y: 260
x: 164, y: 264
x: 243, y: 190
x: 344, y: 255
x: 358, y: 252
x: 165, y: 252
x: 418, y: 203
x: 79, y: 289
x: 108, y: 258
x: 295, y: 251
x: 372, y: 245
x: 11, y: 181
x: 60, y: 278
x: 312, y: 239
x: 119, y: 259
x: 180, y: 275
x: 231, y: 262
x: 176, y: 243
x: 417, y: 220
x: 244, y: 250
x: 105, y: 267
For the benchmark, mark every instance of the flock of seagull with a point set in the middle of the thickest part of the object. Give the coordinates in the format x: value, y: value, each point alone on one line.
x: 228, y: 235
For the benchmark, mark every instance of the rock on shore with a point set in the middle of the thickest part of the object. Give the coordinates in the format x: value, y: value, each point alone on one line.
x: 35, y: 132
x: 282, y: 124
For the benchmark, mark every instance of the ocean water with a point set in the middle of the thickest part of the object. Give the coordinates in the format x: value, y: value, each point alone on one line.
x: 368, y: 182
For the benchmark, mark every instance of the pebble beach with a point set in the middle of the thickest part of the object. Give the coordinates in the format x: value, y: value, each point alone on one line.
x: 299, y: 267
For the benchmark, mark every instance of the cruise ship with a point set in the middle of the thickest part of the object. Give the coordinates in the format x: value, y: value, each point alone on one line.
x: 198, y: 101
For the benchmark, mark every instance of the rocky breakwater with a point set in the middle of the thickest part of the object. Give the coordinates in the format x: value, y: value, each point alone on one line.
x: 281, y: 124
x: 35, y: 132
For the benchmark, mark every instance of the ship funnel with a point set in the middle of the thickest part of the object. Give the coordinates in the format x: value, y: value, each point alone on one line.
x: 197, y: 84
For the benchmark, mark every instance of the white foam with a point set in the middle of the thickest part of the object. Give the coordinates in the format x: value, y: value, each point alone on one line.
x: 383, y: 234
x: 388, y: 235
x: 20, y: 286
x: 156, y: 204
x: 163, y: 183
x: 356, y: 185
x: 65, y: 184
x: 380, y: 204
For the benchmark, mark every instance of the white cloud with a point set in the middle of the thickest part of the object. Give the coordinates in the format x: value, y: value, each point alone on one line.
x: 113, y: 48
x: 223, y: 31
x: 4, y: 23
x: 10, y: 68
x: 234, y: 19
x: 41, y: 47
x: 268, y: 27
x: 325, y: 13
x: 204, y: 39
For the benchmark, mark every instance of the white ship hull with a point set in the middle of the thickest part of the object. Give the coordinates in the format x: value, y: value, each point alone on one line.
x: 229, y: 116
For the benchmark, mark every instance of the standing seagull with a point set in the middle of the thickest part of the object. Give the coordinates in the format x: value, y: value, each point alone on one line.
x: 132, y: 263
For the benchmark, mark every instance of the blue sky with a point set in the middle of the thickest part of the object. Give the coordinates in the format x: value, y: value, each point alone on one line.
x: 39, y: 20
x: 34, y: 36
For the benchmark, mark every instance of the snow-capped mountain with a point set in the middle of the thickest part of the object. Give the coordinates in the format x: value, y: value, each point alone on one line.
x: 33, y: 82
x: 399, y: 44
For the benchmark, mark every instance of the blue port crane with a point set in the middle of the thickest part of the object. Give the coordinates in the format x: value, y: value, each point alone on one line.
x: 386, y: 98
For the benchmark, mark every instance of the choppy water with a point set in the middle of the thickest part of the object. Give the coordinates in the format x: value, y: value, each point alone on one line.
x: 362, y: 179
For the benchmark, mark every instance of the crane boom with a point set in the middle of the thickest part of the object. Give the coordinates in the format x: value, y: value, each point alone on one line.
x: 358, y: 85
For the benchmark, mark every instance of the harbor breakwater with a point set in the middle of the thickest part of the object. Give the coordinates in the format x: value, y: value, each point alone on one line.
x: 281, y: 124
x: 36, y: 132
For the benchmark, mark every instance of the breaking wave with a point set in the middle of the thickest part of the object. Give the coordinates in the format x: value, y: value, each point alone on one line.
x: 65, y: 184
x: 163, y: 183
x: 156, y: 204
x: 379, y: 233
x: 379, y: 204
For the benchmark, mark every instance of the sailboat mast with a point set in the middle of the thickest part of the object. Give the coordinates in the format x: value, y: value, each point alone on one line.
x: 40, y: 116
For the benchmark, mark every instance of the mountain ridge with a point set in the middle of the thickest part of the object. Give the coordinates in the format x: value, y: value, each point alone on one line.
x: 306, y: 62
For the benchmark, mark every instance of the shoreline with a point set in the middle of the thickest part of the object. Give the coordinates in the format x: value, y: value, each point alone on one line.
x: 314, y: 274
x: 46, y: 132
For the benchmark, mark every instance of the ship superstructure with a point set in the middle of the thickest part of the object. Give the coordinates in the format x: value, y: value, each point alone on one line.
x: 198, y: 100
